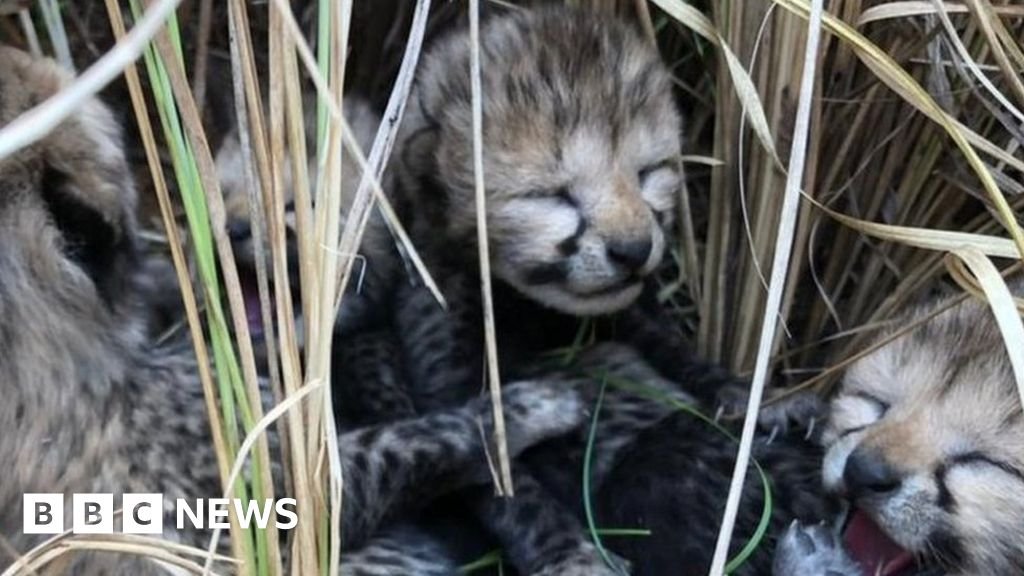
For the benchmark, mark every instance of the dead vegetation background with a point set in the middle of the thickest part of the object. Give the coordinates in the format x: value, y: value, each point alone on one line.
x: 914, y: 181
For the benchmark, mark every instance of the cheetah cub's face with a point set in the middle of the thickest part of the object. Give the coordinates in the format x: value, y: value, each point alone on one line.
x: 581, y: 154
x: 926, y: 439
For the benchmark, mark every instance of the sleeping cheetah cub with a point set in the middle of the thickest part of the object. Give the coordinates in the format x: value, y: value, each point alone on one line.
x: 90, y: 406
x: 581, y: 154
x: 926, y: 441
x: 581, y: 149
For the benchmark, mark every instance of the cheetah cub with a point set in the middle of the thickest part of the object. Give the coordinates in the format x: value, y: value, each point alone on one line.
x: 581, y: 164
x: 378, y: 260
x: 926, y: 441
x: 91, y: 406
x: 581, y: 149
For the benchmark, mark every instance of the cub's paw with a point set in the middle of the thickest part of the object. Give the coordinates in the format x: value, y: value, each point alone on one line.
x: 536, y: 410
x: 800, y: 410
x: 811, y: 551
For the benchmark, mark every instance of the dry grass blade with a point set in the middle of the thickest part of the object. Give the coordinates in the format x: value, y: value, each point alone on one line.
x: 965, y: 56
x: 359, y: 207
x: 328, y: 212
x: 303, y: 548
x: 689, y: 17
x: 255, y: 157
x: 903, y: 84
x: 698, y: 159
x: 744, y: 85
x: 1004, y: 308
x: 688, y: 241
x: 643, y: 14
x: 755, y: 258
x: 894, y: 10
x: 909, y: 142
x: 993, y: 29
x: 490, y: 338
x: 192, y: 124
x: 387, y: 133
x: 1012, y: 45
x: 752, y: 107
x: 927, y: 238
x: 50, y: 10
x: 202, y: 53
x: 780, y: 264
x: 837, y: 368
x: 962, y: 275
x: 65, y: 544
x: 42, y: 119
x: 178, y: 257
x: 254, y: 435
x: 29, y: 28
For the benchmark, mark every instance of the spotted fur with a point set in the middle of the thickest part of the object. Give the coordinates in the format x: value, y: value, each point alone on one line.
x: 581, y: 149
x: 673, y: 480
x: 91, y: 406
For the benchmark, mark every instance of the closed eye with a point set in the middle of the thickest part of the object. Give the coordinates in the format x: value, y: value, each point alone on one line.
x: 946, y: 499
x: 982, y: 459
x: 560, y: 195
x: 881, y: 405
x: 666, y: 164
x: 876, y: 410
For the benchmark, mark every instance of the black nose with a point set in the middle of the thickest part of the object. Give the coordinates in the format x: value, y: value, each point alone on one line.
x: 868, y: 473
x: 239, y: 230
x: 632, y: 254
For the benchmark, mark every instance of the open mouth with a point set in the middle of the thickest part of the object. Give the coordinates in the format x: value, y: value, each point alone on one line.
x: 873, y: 550
x: 251, y: 297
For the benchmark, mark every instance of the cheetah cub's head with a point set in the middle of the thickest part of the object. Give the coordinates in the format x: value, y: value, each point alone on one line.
x: 926, y: 440
x: 581, y: 145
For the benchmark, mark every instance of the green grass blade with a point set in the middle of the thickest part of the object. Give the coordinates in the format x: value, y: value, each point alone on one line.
x: 587, y: 458
x: 233, y: 399
x: 492, y: 558
x: 646, y: 391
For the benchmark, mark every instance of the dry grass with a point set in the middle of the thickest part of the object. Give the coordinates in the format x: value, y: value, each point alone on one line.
x: 912, y: 177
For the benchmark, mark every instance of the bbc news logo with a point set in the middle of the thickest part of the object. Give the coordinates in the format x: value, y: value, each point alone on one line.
x: 144, y: 513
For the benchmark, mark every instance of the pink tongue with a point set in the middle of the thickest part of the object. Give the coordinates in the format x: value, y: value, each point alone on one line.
x: 875, y: 552
x: 253, y: 312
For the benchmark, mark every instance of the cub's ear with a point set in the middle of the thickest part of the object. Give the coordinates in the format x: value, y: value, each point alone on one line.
x: 102, y: 247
